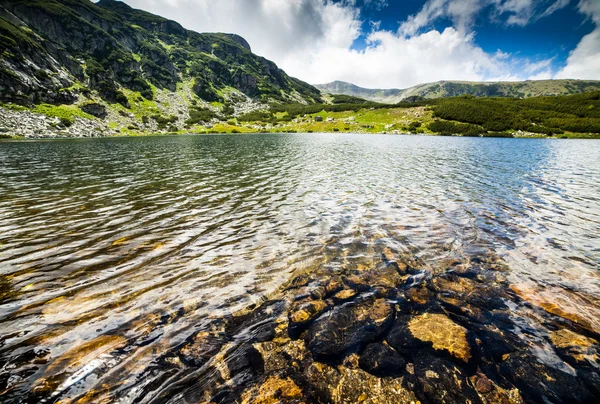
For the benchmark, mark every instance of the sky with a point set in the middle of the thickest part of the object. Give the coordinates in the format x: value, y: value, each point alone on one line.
x: 402, y: 43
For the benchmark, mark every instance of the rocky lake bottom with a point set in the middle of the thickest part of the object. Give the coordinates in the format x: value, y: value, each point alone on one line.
x: 299, y: 269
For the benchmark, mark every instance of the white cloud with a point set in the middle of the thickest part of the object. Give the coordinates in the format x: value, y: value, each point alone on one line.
x: 312, y: 39
x: 393, y: 60
x: 554, y: 7
x: 584, y: 61
x: 520, y: 11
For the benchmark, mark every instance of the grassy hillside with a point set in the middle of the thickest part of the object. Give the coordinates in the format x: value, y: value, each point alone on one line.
x: 575, y: 116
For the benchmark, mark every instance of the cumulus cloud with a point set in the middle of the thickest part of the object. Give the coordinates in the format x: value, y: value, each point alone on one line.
x: 584, y: 61
x: 312, y: 39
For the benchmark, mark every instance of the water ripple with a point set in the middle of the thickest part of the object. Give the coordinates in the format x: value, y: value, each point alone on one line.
x: 128, y: 246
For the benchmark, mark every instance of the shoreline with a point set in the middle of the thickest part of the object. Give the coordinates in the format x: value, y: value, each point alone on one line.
x: 149, y: 134
x: 24, y: 124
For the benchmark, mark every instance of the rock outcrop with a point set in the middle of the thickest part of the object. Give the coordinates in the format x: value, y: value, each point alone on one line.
x: 52, y: 51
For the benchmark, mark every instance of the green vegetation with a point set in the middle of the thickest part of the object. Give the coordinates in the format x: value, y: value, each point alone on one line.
x: 198, y: 115
x: 66, y: 113
x: 550, y: 116
x: 347, y: 99
x: 164, y: 121
x: 446, y: 128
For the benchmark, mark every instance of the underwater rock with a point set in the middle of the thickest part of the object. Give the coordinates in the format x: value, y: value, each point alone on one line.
x: 401, y: 339
x: 349, y: 326
x: 443, y: 333
x: 380, y: 359
x: 273, y: 391
x: 342, y: 385
x: 201, y: 348
x: 303, y: 314
x: 539, y: 382
x: 438, y: 380
x: 344, y: 295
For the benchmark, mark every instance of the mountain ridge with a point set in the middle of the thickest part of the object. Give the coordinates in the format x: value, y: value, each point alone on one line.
x: 445, y: 88
x: 48, y: 46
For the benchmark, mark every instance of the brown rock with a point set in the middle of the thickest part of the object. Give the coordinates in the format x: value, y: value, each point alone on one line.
x: 349, y: 326
x: 344, y: 295
x: 565, y: 338
x: 273, y: 391
x: 443, y: 333
x: 342, y: 385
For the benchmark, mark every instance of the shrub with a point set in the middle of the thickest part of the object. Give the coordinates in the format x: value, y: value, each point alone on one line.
x: 198, y: 115
x: 163, y: 121
x: 122, y: 99
x: 451, y: 128
x: 228, y: 110
x: 414, y: 125
x: 261, y: 116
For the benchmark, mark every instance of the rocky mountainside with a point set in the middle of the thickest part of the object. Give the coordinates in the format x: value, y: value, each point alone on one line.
x: 107, y: 54
x: 443, y: 89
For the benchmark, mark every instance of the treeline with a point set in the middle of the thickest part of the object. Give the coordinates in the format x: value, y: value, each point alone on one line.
x: 294, y: 110
x: 547, y: 115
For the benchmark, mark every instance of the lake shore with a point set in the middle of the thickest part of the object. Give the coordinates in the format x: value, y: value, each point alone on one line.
x: 21, y: 123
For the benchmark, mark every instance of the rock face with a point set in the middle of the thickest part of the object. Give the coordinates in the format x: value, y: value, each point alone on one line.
x: 95, y: 109
x: 56, y: 49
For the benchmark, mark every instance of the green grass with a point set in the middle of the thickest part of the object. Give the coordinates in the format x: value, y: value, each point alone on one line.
x: 66, y: 113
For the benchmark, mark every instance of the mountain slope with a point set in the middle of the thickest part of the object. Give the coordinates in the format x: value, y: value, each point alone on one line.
x: 443, y: 89
x: 57, y: 51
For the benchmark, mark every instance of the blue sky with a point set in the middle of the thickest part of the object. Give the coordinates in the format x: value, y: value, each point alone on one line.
x: 401, y: 43
x: 552, y: 36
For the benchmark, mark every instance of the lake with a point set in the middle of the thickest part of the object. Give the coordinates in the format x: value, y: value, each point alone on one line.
x: 114, y: 251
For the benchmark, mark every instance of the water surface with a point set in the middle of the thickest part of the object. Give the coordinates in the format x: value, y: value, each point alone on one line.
x: 114, y: 251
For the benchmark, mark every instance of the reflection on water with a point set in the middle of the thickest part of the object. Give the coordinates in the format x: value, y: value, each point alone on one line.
x: 113, y: 251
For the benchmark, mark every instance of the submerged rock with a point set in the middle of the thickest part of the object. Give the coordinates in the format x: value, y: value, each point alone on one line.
x: 441, y: 381
x: 201, y: 348
x: 380, y: 359
x: 274, y: 390
x: 539, y: 382
x: 443, y: 333
x: 303, y: 314
x: 344, y: 295
x: 342, y: 385
x: 349, y: 326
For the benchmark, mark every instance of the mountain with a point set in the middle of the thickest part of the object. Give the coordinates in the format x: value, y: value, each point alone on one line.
x: 60, y: 51
x: 443, y: 89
